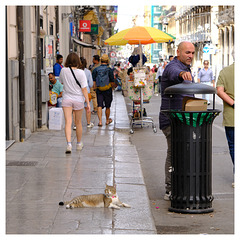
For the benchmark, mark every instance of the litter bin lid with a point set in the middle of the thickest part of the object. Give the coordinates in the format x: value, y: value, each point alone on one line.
x: 190, y: 88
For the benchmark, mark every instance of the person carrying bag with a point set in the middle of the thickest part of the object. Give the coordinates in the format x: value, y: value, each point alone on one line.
x: 103, y: 82
x: 74, y: 95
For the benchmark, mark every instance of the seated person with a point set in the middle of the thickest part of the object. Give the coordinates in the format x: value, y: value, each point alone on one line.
x: 56, y: 87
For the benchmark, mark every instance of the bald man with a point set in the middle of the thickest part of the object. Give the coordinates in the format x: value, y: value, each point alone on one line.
x: 177, y: 71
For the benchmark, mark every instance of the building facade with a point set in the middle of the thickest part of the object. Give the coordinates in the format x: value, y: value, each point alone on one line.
x: 210, y: 28
x: 156, y: 48
x: 34, y: 37
x: 224, y: 21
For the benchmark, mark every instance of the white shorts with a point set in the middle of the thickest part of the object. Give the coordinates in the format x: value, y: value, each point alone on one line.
x: 72, y: 103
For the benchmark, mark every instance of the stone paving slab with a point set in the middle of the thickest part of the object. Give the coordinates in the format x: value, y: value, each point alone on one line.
x: 108, y: 157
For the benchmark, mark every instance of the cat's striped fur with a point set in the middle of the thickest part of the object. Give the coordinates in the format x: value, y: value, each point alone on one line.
x: 107, y: 200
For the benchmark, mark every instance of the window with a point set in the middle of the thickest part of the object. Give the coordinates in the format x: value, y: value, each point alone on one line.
x: 41, y: 22
x: 41, y: 45
x: 51, y: 28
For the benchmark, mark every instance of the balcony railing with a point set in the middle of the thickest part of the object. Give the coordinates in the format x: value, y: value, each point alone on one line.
x: 200, y: 36
x: 182, y: 11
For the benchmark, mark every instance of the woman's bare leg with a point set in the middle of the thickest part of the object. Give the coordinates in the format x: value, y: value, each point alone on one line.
x: 78, y: 123
x: 68, y: 122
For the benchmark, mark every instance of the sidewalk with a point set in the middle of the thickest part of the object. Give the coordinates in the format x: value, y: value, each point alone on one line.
x: 39, y: 174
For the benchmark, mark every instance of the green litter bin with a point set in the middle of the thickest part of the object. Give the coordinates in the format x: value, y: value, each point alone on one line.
x: 191, y: 142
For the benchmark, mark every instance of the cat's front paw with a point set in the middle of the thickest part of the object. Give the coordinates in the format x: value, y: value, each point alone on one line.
x: 69, y: 206
x: 114, y: 206
x: 126, y: 205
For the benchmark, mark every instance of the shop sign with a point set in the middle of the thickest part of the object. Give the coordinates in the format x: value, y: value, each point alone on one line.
x: 84, y: 26
x: 49, y: 43
x: 94, y: 29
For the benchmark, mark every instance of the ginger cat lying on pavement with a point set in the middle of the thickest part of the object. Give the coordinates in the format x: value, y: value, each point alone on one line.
x: 108, y: 200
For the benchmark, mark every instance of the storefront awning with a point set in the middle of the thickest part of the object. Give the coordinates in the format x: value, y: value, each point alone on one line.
x: 87, y: 45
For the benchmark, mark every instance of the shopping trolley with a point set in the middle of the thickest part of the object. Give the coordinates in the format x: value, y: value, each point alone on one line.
x: 140, y: 91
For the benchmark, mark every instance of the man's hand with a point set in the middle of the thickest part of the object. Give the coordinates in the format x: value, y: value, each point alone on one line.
x: 186, y: 76
x: 88, y: 107
x: 94, y: 86
x: 223, y: 95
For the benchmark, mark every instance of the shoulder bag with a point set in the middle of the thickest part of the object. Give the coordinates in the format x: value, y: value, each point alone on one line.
x: 75, y: 78
x: 89, y: 94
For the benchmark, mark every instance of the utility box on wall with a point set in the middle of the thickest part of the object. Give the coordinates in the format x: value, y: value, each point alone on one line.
x: 45, y: 88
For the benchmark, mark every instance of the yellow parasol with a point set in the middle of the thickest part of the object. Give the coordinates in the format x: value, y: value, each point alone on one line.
x: 139, y: 35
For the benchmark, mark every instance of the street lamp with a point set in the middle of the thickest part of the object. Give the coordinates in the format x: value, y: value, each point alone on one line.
x: 65, y: 15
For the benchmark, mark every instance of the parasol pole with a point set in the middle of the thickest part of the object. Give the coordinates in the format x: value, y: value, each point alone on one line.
x: 140, y: 52
x: 141, y: 92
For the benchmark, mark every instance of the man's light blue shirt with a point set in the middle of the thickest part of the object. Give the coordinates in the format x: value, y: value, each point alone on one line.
x: 205, y: 75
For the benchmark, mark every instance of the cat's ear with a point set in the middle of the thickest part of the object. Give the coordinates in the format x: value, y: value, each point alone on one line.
x: 106, y: 185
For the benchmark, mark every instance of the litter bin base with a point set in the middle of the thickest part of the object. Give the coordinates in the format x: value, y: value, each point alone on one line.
x: 190, y: 211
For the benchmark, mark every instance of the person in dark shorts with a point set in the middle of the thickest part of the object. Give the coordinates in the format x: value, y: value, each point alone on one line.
x: 105, y: 98
x: 103, y: 83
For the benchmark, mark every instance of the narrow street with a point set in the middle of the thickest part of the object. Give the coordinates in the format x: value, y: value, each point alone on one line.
x: 129, y: 45
x: 39, y: 175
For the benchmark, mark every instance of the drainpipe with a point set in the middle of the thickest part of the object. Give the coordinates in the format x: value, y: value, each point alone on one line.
x: 21, y: 72
x: 57, y: 30
x: 38, y: 69
x: 7, y: 102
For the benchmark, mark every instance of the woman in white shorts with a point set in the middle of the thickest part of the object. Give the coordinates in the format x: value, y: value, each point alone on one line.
x: 73, y: 98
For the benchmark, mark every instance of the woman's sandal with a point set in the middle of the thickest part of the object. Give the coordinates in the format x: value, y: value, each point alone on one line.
x: 109, y: 121
x: 100, y: 125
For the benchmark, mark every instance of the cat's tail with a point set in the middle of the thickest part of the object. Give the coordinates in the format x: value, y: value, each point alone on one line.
x: 64, y: 203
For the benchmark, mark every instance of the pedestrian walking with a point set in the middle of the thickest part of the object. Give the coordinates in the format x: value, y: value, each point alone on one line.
x: 96, y: 63
x: 225, y: 90
x: 117, y: 73
x: 205, y: 76
x: 58, y: 65
x: 154, y: 67
x: 159, y: 74
x: 90, y: 85
x: 74, y: 95
x: 176, y: 71
x: 170, y: 58
x: 103, y: 82
x: 156, y: 82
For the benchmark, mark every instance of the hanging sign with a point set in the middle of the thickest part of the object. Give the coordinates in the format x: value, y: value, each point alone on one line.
x: 94, y: 29
x: 84, y: 26
x: 114, y: 14
x: 49, y: 44
x: 139, y: 77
